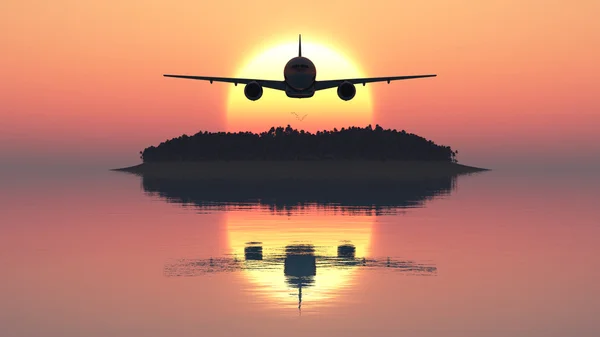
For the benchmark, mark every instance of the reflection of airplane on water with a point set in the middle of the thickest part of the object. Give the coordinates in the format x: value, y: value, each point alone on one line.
x: 300, y: 80
x: 299, y: 261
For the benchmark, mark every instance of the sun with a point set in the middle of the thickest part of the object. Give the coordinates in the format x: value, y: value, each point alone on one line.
x: 323, y: 230
x: 325, y: 110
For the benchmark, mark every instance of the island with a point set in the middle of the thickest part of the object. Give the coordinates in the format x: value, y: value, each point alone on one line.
x: 351, y: 154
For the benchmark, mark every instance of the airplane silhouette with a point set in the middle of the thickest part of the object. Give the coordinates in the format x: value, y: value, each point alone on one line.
x: 299, y: 80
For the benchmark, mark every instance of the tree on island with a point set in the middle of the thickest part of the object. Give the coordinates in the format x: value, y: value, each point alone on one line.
x: 280, y: 143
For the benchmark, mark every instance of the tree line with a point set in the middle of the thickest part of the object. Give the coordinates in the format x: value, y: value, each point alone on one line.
x: 353, y: 143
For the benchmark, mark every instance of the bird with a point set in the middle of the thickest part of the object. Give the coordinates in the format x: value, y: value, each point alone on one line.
x: 298, y: 117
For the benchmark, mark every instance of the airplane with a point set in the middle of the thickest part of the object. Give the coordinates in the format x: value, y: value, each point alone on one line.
x: 299, y: 80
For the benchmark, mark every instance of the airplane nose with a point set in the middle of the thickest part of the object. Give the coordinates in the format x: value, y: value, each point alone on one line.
x: 303, y: 81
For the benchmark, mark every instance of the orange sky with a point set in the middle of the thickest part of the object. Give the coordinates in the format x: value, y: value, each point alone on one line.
x: 516, y: 80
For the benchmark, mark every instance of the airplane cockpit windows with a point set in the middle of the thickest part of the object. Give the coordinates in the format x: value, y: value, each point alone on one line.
x: 296, y: 66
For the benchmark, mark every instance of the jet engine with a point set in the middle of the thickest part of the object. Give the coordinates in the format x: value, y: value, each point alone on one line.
x: 253, y: 91
x: 346, y: 91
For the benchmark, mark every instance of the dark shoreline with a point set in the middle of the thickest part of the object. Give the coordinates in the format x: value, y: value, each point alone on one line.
x: 271, y: 170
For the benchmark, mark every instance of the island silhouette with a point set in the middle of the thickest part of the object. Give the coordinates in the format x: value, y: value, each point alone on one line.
x: 286, y: 155
x: 280, y: 143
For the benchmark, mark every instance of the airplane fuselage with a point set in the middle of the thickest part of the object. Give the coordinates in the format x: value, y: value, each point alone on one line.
x: 300, y: 75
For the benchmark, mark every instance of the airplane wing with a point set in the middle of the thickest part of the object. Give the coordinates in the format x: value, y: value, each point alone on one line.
x: 278, y: 85
x: 320, y: 85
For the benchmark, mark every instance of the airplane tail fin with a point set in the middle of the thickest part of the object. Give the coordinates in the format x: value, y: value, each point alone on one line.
x: 299, y: 45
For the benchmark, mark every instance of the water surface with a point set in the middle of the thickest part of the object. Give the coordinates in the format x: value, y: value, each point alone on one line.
x: 97, y: 253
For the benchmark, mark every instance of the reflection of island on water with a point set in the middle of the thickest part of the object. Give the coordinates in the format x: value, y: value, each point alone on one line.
x: 355, y: 197
x: 300, y: 263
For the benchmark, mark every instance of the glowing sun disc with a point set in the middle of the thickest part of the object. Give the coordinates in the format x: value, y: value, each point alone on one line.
x: 325, y: 110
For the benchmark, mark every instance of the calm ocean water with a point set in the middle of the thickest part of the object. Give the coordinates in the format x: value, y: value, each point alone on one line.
x: 95, y: 253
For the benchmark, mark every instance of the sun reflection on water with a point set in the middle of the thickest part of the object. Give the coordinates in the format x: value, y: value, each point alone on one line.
x: 320, y: 230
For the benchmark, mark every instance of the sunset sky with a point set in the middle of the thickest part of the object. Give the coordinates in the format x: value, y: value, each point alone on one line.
x: 517, y: 80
